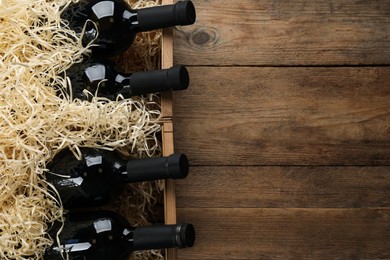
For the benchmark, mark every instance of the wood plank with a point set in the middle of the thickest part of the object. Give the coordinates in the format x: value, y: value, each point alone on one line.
x: 279, y: 32
x: 167, y: 133
x: 279, y: 187
x: 288, y: 233
x: 285, y: 116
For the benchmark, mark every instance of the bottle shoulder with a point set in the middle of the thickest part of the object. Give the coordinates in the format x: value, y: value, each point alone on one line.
x: 93, y: 160
x: 94, y: 235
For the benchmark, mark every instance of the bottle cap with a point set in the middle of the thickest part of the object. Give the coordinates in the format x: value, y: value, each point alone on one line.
x: 178, y: 166
x: 178, y: 77
x: 185, y: 13
x: 163, y: 16
x: 187, y: 235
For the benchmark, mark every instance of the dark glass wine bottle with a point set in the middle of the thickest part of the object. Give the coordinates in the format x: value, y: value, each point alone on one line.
x: 101, y: 78
x: 111, y: 25
x: 103, y: 235
x: 101, y: 175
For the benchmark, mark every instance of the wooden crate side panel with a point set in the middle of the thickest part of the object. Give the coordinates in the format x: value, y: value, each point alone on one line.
x: 167, y: 133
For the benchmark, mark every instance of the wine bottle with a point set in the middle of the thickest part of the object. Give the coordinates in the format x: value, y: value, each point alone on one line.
x: 100, y: 175
x: 101, y: 78
x: 111, y: 25
x: 102, y: 235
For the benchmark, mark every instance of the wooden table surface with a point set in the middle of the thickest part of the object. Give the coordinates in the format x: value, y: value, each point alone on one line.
x: 287, y: 127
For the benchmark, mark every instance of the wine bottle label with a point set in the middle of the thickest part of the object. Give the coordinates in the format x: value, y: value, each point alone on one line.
x: 120, y: 78
x: 74, y: 247
x: 103, y: 9
x: 93, y: 160
x: 71, y: 182
x: 102, y: 225
x: 95, y: 72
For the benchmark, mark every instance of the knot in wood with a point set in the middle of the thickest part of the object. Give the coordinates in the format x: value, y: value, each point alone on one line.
x: 201, y: 37
x: 204, y: 36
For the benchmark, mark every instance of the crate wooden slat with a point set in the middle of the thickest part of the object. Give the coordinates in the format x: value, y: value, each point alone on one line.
x: 167, y: 133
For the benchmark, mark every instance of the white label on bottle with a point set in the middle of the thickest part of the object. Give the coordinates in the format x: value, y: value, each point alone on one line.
x: 71, y: 182
x: 74, y: 247
x: 119, y: 78
x: 103, y: 9
x: 117, y: 165
x: 95, y: 160
x: 126, y: 232
x: 77, y: 180
x: 102, y: 225
x: 95, y: 72
x: 127, y: 14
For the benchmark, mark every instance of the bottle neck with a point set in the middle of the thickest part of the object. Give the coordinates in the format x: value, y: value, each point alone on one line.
x: 146, y: 82
x: 174, y: 166
x: 101, y: 76
x: 163, y: 236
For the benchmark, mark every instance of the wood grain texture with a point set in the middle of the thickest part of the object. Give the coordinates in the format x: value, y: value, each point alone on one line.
x: 285, y: 116
x: 286, y: 124
x: 279, y: 32
x: 283, y: 187
x: 288, y: 233
x: 167, y: 133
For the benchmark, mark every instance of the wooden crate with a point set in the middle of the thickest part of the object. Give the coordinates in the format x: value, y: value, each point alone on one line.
x: 167, y: 133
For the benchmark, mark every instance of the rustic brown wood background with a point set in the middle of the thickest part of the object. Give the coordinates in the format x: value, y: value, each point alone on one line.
x: 287, y: 127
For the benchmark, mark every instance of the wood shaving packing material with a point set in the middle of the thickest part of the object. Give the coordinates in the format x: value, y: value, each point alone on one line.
x: 35, y: 124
